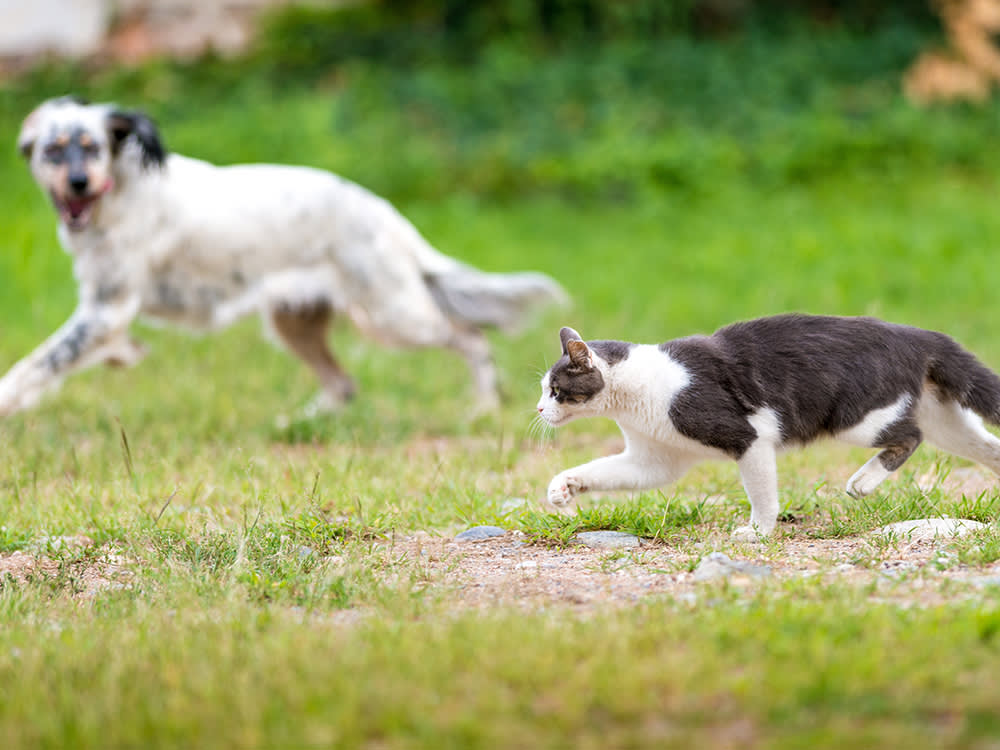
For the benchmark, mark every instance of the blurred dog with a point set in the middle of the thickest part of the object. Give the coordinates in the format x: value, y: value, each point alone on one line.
x: 180, y: 240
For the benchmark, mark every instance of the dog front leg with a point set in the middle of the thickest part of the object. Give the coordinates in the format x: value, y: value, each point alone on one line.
x: 91, y: 335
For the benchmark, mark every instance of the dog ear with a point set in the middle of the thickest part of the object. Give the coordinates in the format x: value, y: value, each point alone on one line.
x: 123, y: 125
x: 29, y: 133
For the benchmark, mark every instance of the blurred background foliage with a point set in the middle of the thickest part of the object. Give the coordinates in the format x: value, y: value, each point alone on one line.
x: 576, y: 97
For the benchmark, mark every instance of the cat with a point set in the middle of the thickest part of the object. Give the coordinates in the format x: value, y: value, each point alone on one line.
x: 758, y: 386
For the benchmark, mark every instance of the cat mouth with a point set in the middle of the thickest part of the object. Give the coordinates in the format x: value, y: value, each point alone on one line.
x: 557, y: 421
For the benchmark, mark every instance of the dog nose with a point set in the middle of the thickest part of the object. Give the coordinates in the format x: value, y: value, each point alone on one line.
x: 78, y: 182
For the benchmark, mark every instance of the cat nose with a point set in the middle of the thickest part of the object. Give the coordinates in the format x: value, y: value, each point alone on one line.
x: 541, y: 409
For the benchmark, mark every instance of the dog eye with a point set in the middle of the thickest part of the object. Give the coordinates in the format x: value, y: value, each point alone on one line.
x: 54, y: 152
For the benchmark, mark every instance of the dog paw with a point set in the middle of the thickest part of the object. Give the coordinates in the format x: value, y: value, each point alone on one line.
x: 128, y: 354
x: 14, y: 397
x: 326, y: 402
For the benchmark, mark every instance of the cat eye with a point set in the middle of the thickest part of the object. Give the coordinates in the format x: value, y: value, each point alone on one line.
x: 554, y: 392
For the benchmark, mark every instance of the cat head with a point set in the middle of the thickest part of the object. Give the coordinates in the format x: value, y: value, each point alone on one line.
x: 573, y: 386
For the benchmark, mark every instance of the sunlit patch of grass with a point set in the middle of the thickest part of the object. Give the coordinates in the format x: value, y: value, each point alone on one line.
x: 978, y: 548
x: 852, y: 516
x: 658, y: 517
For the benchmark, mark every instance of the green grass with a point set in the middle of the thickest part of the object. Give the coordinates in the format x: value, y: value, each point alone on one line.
x: 783, y: 669
x: 262, y: 595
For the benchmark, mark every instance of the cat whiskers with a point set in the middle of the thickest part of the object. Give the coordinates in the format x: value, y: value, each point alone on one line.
x: 539, y: 430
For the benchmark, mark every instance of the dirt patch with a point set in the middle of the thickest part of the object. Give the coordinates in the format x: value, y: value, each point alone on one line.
x: 70, y: 563
x: 507, y: 570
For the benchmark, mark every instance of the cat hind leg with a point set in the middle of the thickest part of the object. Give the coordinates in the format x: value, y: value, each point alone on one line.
x: 897, y: 441
x: 959, y: 431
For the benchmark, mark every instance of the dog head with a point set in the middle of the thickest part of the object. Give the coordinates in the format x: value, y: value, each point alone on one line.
x: 74, y: 148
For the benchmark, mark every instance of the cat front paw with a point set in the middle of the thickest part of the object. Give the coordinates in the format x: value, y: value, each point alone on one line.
x: 750, y: 534
x: 562, y: 490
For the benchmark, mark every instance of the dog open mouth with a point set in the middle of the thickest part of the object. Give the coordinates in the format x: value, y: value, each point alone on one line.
x: 75, y: 211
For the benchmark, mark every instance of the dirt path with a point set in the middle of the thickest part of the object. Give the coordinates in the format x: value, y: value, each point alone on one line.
x: 505, y: 570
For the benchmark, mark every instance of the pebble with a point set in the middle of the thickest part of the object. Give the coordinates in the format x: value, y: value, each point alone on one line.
x: 895, y: 569
x: 479, y: 533
x: 719, y: 565
x: 606, y: 539
x: 929, y: 529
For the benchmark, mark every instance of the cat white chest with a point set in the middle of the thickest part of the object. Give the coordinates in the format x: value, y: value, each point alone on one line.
x: 645, y: 385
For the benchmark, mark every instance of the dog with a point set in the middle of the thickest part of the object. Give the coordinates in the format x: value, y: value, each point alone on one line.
x: 179, y: 240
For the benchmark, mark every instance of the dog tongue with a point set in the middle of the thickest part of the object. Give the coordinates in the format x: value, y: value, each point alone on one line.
x: 77, y: 206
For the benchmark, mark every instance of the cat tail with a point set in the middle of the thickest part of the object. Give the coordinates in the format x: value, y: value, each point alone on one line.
x: 492, y: 300
x: 966, y: 380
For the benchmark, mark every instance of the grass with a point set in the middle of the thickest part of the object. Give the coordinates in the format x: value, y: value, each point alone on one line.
x: 257, y: 588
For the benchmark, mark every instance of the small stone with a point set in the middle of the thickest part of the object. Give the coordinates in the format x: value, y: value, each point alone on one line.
x: 945, y: 559
x: 929, y: 529
x: 479, y: 533
x: 606, y: 539
x: 719, y: 565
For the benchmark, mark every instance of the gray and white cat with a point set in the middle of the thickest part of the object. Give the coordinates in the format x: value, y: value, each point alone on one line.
x: 755, y: 387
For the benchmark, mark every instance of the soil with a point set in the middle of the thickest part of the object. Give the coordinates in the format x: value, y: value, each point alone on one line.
x: 505, y: 571
x: 511, y: 570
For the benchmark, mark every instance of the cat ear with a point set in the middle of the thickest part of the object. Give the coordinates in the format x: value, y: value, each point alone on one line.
x: 566, y: 335
x: 580, y: 355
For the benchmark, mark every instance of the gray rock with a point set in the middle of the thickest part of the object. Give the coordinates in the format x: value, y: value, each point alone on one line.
x: 479, y: 533
x: 719, y: 565
x: 929, y: 529
x: 606, y: 539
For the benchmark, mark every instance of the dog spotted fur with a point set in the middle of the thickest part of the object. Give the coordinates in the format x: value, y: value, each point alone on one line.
x: 176, y: 239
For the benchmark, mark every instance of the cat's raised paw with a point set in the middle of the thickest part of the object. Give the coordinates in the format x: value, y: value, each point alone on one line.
x: 562, y: 490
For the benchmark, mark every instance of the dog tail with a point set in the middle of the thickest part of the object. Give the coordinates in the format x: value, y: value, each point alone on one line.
x: 492, y: 300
